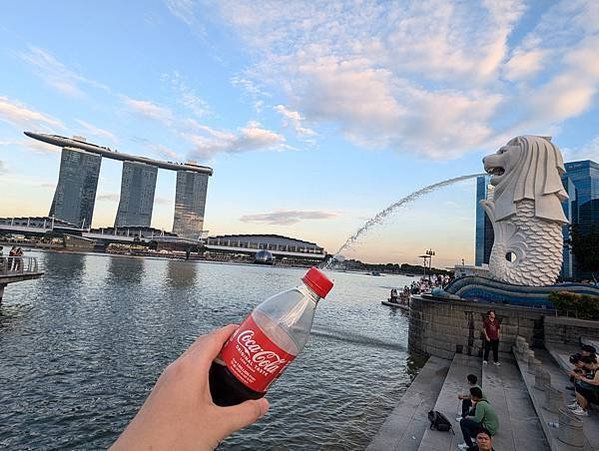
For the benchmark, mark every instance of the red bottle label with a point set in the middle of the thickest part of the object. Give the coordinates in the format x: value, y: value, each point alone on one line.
x: 253, y: 358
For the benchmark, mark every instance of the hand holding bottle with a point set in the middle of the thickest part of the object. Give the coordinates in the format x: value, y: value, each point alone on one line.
x: 179, y: 412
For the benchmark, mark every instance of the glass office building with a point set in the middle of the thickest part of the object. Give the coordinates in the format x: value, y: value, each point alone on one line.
x: 581, y: 181
x: 138, y: 185
x: 190, y: 204
x: 484, y: 228
x: 75, y: 193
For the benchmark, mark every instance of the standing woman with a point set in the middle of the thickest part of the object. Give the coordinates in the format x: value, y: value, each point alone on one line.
x: 491, y: 331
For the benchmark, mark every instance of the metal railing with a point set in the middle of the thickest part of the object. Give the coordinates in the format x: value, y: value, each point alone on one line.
x: 18, y: 265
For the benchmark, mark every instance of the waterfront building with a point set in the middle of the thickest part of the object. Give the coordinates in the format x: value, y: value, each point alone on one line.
x: 75, y: 193
x: 190, y: 204
x: 138, y: 185
x: 137, y: 190
x: 279, y: 246
x: 484, y: 228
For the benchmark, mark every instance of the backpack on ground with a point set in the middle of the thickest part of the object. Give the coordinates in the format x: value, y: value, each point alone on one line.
x: 439, y: 421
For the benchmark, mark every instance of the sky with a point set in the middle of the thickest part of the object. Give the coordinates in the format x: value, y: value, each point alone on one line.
x: 314, y: 115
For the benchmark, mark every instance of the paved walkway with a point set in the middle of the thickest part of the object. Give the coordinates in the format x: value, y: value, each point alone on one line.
x: 519, y: 426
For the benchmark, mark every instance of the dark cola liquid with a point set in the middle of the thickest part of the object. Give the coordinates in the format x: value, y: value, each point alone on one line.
x: 226, y: 390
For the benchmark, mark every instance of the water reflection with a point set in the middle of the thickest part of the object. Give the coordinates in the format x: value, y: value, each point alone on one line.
x: 127, y: 270
x: 63, y: 265
x: 180, y: 274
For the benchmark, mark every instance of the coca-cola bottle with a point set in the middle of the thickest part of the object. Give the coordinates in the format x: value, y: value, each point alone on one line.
x: 266, y: 342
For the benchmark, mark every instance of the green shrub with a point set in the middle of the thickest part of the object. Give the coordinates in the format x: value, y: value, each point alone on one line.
x: 581, y: 306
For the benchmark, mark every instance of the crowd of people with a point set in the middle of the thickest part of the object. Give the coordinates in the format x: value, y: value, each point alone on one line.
x: 423, y: 285
x: 14, y: 262
x: 585, y: 378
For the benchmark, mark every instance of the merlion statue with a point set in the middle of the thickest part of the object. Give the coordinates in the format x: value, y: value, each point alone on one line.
x: 526, y: 211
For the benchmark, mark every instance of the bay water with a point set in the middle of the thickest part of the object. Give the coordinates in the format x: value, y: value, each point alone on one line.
x: 81, y: 348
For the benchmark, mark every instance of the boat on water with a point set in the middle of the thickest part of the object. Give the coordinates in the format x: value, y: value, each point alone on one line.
x: 375, y: 273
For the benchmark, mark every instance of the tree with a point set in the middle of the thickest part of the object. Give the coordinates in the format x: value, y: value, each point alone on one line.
x: 585, y: 247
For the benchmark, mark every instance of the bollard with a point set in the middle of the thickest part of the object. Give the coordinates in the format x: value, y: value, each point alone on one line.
x: 542, y: 378
x: 529, y: 357
x: 554, y: 399
x: 532, y: 364
x: 570, y: 429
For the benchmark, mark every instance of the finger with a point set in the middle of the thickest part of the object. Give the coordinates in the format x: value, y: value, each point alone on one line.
x: 207, y: 347
x: 244, y: 414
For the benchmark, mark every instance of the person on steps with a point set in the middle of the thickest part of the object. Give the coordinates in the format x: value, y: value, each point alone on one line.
x: 484, y: 442
x: 466, y: 401
x: 484, y: 418
x: 587, y: 389
x: 491, y: 331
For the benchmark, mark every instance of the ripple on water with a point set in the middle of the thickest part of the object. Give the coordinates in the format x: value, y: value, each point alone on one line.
x: 82, y: 347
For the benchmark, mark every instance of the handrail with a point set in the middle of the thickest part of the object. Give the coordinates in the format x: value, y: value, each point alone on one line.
x: 10, y: 266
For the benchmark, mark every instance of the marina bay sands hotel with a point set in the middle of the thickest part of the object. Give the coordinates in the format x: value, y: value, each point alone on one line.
x: 75, y: 193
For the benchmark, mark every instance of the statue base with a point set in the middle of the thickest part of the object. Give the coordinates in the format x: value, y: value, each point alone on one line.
x: 478, y: 288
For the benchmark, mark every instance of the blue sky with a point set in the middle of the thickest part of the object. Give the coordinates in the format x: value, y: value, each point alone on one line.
x: 314, y: 115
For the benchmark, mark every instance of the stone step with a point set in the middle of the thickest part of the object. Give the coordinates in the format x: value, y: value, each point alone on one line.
x: 404, y: 427
x: 519, y: 426
x: 448, y: 403
x: 559, y: 380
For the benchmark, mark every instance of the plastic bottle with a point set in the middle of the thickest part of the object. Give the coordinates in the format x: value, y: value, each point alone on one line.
x: 266, y: 342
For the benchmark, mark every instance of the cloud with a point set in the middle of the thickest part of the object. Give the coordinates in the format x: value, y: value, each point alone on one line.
x: 164, y: 151
x: 287, y: 217
x: 108, y: 197
x: 3, y: 169
x: 187, y: 96
x: 50, y: 185
x: 89, y: 128
x: 249, y: 138
x: 21, y: 116
x: 294, y: 120
x: 184, y: 11
x: 438, y: 78
x: 148, y: 109
x: 588, y: 151
x: 32, y: 144
x: 56, y: 74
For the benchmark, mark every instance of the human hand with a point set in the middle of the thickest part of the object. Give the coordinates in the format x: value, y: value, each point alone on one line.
x: 179, y: 412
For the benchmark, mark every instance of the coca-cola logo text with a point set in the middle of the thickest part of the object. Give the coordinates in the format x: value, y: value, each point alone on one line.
x: 269, y: 361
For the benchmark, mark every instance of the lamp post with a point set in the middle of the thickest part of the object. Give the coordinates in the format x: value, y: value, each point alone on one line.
x: 424, y: 258
x: 430, y: 253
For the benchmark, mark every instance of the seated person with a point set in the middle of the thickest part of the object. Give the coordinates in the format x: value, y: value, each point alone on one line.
x: 576, y: 360
x: 587, y: 389
x: 588, y: 350
x: 484, y: 442
x: 484, y: 418
x: 466, y: 401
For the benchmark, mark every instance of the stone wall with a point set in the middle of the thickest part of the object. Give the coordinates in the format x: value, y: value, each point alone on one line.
x: 559, y: 329
x: 444, y: 327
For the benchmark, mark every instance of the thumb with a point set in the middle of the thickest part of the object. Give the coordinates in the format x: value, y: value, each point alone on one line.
x: 244, y: 414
